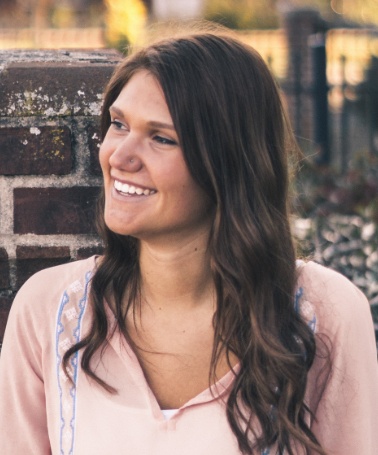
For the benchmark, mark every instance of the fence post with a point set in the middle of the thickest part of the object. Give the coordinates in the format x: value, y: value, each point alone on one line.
x: 371, y: 96
x: 320, y: 98
x: 297, y: 93
x: 344, y: 127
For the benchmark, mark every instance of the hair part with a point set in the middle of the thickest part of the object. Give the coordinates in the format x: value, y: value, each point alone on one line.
x: 229, y: 118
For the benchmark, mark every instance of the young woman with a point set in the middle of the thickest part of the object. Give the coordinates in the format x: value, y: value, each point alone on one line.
x: 197, y: 332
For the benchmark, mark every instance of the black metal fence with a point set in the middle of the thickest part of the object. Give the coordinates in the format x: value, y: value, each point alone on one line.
x: 341, y: 91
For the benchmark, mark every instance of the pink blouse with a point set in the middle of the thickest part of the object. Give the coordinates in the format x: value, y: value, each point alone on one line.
x: 42, y: 413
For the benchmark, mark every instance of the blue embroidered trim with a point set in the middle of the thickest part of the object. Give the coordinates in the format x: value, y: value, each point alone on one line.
x: 59, y: 331
x: 298, y: 296
x: 311, y: 322
x: 67, y: 391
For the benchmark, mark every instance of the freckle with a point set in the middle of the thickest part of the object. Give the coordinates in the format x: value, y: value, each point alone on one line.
x: 159, y: 308
x: 195, y: 249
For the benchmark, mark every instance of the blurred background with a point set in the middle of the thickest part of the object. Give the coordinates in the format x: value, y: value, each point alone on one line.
x: 324, y: 53
x: 324, y: 56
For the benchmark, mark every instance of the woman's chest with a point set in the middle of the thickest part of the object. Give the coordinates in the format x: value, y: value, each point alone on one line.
x: 178, y: 370
x: 131, y: 422
x: 177, y: 362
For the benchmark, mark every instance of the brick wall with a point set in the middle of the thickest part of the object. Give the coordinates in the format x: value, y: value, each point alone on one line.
x: 49, y: 174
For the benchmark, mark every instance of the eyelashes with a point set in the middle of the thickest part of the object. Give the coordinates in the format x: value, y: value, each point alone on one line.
x: 164, y: 140
x: 158, y: 138
x: 118, y: 125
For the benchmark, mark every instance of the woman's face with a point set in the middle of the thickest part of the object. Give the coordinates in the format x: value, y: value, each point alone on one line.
x: 149, y: 192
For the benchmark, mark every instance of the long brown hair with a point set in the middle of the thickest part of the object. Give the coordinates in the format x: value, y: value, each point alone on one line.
x: 230, y: 122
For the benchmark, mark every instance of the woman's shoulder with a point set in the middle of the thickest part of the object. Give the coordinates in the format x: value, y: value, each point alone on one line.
x: 42, y: 293
x: 333, y: 299
x: 321, y: 282
x: 60, y: 275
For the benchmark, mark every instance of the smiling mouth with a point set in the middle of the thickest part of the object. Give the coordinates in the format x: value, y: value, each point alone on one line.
x: 132, y: 190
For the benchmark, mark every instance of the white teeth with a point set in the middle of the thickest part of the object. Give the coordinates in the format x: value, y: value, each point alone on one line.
x: 130, y: 189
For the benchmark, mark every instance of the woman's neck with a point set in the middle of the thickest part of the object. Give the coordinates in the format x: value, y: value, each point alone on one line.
x: 178, y: 276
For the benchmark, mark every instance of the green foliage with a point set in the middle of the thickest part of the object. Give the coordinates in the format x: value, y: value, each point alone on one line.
x: 321, y: 191
x: 336, y: 221
x: 122, y: 44
x: 243, y: 14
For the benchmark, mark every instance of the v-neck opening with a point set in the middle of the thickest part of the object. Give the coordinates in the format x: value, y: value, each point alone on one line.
x: 122, y: 347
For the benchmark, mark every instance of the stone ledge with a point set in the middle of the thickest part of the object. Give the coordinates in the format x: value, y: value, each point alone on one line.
x: 55, y: 83
x: 105, y: 56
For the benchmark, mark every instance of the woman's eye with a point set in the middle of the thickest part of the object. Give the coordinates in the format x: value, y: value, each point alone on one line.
x: 117, y: 125
x: 163, y: 140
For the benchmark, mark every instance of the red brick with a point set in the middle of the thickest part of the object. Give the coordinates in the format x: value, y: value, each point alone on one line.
x: 45, y: 211
x: 31, y: 259
x: 94, y: 142
x: 35, y: 150
x: 4, y: 269
x: 83, y: 253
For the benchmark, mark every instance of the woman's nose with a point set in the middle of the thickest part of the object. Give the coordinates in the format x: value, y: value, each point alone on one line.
x: 126, y: 156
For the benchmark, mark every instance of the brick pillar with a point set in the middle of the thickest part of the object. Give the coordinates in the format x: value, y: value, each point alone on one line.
x: 49, y: 175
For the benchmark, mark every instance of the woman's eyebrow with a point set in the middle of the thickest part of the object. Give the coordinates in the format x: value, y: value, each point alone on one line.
x: 155, y: 124
x: 116, y: 110
x: 151, y: 123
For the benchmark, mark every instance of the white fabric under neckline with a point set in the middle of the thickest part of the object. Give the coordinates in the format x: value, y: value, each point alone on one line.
x: 168, y: 413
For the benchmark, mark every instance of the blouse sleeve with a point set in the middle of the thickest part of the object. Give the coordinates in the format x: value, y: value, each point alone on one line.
x: 23, y: 422
x: 345, y: 374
